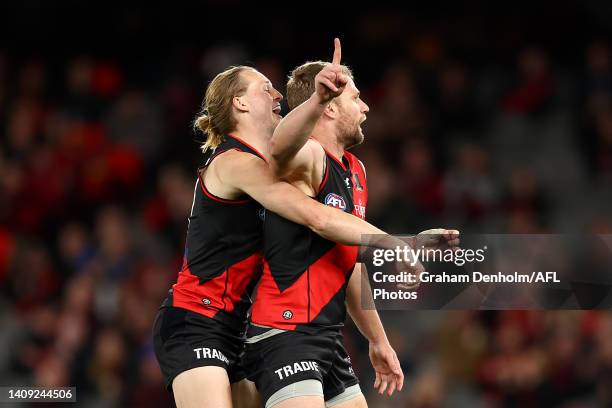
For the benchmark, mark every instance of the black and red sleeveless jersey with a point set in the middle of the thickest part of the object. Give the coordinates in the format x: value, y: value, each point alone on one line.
x: 303, y: 285
x: 223, y: 250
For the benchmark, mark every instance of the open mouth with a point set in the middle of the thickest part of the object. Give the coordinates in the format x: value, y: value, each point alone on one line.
x: 277, y: 110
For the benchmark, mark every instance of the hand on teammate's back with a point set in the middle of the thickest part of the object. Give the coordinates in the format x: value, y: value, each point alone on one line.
x: 331, y: 81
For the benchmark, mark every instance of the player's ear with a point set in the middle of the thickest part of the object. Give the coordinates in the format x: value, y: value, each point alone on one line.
x: 240, y: 103
x: 331, y: 110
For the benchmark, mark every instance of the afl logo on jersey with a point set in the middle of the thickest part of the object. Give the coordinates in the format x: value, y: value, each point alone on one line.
x: 287, y: 314
x: 336, y: 201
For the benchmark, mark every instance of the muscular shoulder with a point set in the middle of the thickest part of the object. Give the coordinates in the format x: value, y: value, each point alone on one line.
x: 235, y: 164
x: 303, y: 163
x: 315, y: 150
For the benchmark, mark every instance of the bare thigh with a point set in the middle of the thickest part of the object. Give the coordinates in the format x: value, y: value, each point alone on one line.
x: 245, y: 395
x: 302, y: 402
x: 358, y: 402
x: 202, y: 387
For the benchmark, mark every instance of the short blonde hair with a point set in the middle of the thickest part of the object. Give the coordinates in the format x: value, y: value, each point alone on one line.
x: 301, y: 83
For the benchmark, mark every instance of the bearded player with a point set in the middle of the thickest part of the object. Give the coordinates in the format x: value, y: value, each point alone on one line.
x: 294, y: 349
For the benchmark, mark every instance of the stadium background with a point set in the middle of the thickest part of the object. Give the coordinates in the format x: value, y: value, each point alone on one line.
x: 496, y: 118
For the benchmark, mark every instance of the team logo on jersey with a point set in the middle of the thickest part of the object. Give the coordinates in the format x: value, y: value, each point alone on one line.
x: 206, y: 301
x: 262, y: 214
x: 347, y: 182
x: 335, y: 201
x: 287, y: 314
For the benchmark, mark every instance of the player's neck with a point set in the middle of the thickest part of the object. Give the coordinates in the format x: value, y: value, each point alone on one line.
x: 254, y: 136
x: 327, y: 137
x: 331, y: 145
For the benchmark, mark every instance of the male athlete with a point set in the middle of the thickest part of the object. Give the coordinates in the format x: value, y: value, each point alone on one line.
x: 198, y: 331
x: 294, y: 345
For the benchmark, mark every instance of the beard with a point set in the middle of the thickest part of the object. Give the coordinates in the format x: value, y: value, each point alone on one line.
x: 351, y: 134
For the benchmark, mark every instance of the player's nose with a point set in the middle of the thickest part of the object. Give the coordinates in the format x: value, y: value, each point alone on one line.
x: 364, y: 107
x: 277, y: 95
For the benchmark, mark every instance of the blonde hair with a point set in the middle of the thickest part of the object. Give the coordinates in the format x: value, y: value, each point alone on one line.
x: 301, y: 83
x: 215, y: 119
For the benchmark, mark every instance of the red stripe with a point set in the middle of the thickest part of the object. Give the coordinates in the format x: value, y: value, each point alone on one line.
x: 324, y: 178
x: 334, y: 158
x: 270, y: 303
x: 223, y: 291
x: 251, y: 147
x: 304, y: 299
x: 329, y: 274
x: 218, y: 153
x: 214, y: 197
x: 359, y: 197
x: 188, y: 295
x: 241, y: 275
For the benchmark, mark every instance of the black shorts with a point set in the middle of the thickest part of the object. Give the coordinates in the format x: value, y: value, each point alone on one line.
x: 289, y: 357
x: 184, y: 340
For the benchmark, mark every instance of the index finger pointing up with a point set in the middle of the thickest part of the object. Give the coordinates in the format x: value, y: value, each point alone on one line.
x: 337, y: 52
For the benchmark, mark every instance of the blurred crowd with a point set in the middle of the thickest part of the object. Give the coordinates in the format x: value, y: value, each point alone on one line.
x: 97, y: 170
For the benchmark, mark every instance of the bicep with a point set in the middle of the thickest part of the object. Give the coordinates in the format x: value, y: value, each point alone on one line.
x: 277, y: 196
x: 298, y: 162
x: 301, y: 166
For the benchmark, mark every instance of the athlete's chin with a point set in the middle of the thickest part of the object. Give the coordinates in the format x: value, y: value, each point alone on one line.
x: 354, y: 141
x: 359, y: 137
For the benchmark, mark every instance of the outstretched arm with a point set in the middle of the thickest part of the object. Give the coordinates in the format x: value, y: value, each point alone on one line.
x: 254, y: 177
x: 293, y: 131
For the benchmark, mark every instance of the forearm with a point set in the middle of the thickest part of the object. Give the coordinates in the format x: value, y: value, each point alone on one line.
x: 293, y: 131
x: 328, y: 222
x: 287, y: 201
x: 348, y: 229
x: 364, y: 314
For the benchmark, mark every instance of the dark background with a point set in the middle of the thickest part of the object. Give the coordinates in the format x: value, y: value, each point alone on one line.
x: 494, y: 118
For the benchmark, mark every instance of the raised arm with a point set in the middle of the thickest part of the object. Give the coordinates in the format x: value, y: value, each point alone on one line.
x: 293, y: 131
